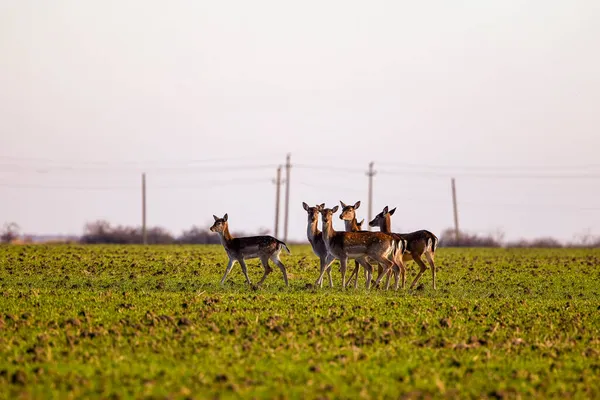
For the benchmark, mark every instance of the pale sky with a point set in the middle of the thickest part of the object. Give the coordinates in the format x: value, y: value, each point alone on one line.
x: 503, y: 95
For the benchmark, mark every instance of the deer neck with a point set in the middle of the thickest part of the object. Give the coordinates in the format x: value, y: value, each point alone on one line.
x: 386, y: 224
x: 328, y: 231
x: 312, y: 229
x: 225, y: 236
x: 351, y: 226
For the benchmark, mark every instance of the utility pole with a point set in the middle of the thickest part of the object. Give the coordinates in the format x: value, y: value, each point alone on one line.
x: 277, y: 190
x: 288, y: 166
x: 456, y: 230
x: 370, y: 173
x: 144, y: 233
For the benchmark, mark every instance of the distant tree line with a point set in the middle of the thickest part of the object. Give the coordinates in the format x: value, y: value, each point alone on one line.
x: 448, y: 239
x: 103, y: 232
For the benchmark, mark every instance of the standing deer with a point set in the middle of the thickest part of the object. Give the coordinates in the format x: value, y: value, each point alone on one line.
x: 315, y: 237
x: 238, y: 249
x: 358, y: 245
x: 418, y: 243
x: 348, y: 215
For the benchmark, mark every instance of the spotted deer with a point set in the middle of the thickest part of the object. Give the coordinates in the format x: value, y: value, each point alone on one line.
x: 348, y: 215
x: 264, y: 248
x: 418, y: 243
x: 315, y: 237
x: 379, y: 246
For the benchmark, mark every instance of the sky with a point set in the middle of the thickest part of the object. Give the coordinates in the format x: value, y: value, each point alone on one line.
x: 208, y: 97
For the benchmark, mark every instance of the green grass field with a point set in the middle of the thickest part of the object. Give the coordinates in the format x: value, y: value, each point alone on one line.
x: 130, y: 322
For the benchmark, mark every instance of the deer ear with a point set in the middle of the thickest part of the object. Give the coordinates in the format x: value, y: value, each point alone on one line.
x: 321, y: 206
x: 305, y: 206
x: 225, y: 217
x: 392, y: 211
x: 385, y: 209
x: 334, y: 209
x: 215, y: 217
x: 342, y: 203
x: 361, y: 222
x: 357, y: 204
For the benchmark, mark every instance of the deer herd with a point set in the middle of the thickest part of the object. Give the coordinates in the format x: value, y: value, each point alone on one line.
x: 388, y: 250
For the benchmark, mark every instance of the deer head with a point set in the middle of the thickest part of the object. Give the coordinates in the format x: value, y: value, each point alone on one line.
x: 380, y: 218
x: 313, y: 212
x: 220, y: 224
x: 349, y: 212
x: 327, y: 214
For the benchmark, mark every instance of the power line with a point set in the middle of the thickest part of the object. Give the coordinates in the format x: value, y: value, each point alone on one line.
x: 489, y: 176
x: 155, y: 170
x: 445, y: 175
x: 329, y: 168
x: 134, y: 163
x: 490, y: 167
x: 200, y: 185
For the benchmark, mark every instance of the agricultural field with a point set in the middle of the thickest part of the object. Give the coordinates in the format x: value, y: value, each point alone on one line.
x: 132, y: 321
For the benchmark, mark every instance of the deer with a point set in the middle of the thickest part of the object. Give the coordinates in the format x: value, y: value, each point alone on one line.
x: 379, y: 246
x: 264, y: 248
x: 418, y: 243
x: 348, y: 215
x: 315, y: 237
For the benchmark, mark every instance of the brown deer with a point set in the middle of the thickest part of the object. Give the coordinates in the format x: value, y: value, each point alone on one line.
x: 264, y: 248
x: 357, y: 245
x: 315, y: 237
x: 348, y: 215
x: 418, y: 243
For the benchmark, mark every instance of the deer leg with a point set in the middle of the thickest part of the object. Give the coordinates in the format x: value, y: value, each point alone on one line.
x: 385, y: 265
x: 265, y: 263
x: 423, y: 267
x: 402, y: 273
x: 319, y: 282
x: 245, y: 270
x: 328, y: 261
x: 354, y: 274
x: 368, y: 272
x: 399, y: 262
x: 387, y: 279
x: 379, y: 272
x: 357, y: 265
x: 429, y: 257
x: 278, y: 262
x: 228, y: 269
x: 326, y: 267
x: 343, y: 265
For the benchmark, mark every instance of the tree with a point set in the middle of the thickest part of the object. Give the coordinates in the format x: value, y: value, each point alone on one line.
x: 10, y: 232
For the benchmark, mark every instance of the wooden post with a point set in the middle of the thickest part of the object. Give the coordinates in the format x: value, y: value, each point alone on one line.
x: 277, y: 190
x: 144, y: 232
x: 288, y: 166
x: 455, y: 206
x: 370, y: 174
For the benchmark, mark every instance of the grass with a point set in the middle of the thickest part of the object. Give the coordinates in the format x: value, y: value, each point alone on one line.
x: 131, y: 322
